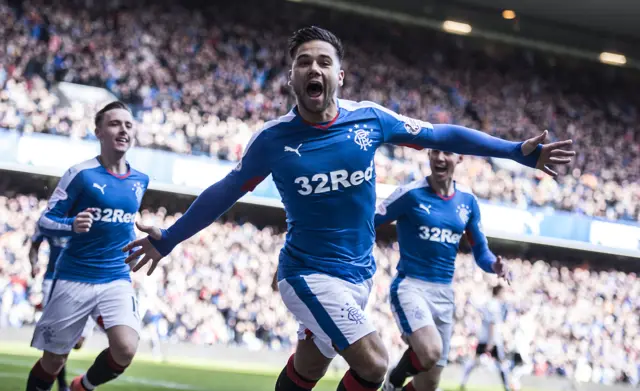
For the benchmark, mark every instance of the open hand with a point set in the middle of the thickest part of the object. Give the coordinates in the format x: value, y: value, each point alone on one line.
x: 501, y: 270
x: 145, y: 249
x: 553, y: 153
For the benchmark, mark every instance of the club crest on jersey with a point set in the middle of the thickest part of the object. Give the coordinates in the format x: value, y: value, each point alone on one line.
x: 139, y: 190
x: 463, y: 212
x: 361, y: 137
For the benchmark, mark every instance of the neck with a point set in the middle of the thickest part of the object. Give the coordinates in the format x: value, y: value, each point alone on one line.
x: 443, y: 188
x: 114, y: 162
x: 325, y: 116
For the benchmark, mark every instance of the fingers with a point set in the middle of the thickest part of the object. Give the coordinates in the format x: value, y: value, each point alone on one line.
x: 543, y: 136
x: 561, y: 152
x: 559, y: 160
x: 560, y: 144
x: 154, y: 263
x: 131, y: 245
x: 549, y: 171
x: 135, y: 255
x: 142, y: 227
x: 141, y: 263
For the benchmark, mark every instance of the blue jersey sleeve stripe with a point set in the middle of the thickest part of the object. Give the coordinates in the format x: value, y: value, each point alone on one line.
x: 395, y: 302
x: 306, y: 295
x: 49, y: 224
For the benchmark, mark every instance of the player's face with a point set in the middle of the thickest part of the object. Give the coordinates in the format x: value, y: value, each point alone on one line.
x: 443, y: 164
x: 316, y: 75
x: 116, y: 130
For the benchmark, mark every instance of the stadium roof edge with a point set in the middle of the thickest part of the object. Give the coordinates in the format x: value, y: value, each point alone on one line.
x: 478, y: 31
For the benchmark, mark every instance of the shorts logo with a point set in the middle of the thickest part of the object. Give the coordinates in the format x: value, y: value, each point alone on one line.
x: 354, y: 314
x: 47, y: 334
x: 418, y: 314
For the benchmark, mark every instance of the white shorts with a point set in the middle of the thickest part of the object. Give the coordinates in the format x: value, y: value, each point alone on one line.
x: 416, y: 304
x: 330, y: 310
x: 46, y: 291
x: 71, y: 304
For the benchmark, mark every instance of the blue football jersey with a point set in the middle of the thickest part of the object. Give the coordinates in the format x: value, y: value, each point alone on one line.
x: 325, y: 175
x: 56, y: 244
x: 96, y: 256
x: 430, y: 227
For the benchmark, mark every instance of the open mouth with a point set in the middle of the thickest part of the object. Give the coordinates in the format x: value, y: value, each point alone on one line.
x: 122, y: 139
x: 315, y: 89
x: 440, y: 169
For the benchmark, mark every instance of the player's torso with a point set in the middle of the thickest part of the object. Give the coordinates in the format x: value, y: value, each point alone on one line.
x: 326, y: 178
x: 115, y: 202
x: 429, y: 234
x: 491, y: 318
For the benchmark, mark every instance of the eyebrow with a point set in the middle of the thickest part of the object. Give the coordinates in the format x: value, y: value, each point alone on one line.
x: 306, y: 55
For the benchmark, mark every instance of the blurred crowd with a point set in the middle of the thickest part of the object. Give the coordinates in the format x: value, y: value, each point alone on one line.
x: 215, y: 288
x: 202, y: 80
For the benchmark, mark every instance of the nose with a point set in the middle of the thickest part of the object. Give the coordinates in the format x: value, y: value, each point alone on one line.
x: 314, y: 69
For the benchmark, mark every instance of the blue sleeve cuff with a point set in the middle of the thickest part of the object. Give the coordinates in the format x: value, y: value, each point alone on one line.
x: 531, y: 160
x: 164, y: 246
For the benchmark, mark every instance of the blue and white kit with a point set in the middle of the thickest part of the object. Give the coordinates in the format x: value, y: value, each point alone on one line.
x: 90, y: 277
x: 429, y: 228
x: 325, y: 175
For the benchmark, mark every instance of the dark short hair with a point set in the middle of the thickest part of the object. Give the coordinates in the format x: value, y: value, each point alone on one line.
x: 111, y: 106
x: 497, y: 289
x: 314, y: 33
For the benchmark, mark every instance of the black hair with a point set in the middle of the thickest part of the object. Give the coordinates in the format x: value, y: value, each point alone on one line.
x: 111, y: 106
x: 496, y: 290
x: 314, y: 33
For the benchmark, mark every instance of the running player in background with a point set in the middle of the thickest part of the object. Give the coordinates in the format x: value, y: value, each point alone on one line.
x: 490, y: 339
x: 95, y: 203
x: 320, y: 156
x: 523, y: 338
x: 432, y: 216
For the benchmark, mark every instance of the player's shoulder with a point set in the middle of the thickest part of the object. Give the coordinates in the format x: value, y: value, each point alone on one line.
x: 138, y: 175
x: 384, y: 114
x: 82, y: 167
x: 465, y: 191
x: 408, y: 188
x: 269, y: 128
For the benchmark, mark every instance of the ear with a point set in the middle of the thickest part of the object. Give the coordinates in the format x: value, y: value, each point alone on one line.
x: 289, y: 76
x: 340, y: 78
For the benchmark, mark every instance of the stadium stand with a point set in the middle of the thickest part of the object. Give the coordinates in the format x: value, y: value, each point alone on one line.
x: 203, y: 80
x: 214, y: 289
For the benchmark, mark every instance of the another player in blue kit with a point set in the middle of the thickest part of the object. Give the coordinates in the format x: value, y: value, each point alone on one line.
x: 432, y: 215
x: 95, y: 204
x: 320, y: 156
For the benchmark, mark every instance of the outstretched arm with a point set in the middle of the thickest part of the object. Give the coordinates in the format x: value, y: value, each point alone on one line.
x: 209, y: 205
x: 401, y: 130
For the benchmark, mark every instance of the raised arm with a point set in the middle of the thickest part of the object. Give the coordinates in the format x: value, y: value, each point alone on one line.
x: 210, y: 204
x: 401, y: 130
x: 478, y: 241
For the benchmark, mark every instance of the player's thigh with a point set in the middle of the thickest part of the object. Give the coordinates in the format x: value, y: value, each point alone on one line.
x: 442, y: 305
x: 330, y: 308
x: 368, y: 357
x: 426, y: 342
x: 118, y: 306
x: 428, y: 381
x: 309, y: 360
x: 64, y: 316
x: 409, y: 306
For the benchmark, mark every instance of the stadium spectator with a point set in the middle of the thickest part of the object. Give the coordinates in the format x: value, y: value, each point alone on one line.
x: 203, y: 80
x: 218, y: 291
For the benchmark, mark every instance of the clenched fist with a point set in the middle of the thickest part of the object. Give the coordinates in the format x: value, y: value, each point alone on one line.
x: 83, y: 221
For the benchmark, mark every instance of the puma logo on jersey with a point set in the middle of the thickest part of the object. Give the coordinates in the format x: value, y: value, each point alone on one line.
x: 101, y: 188
x: 426, y: 208
x: 294, y: 150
